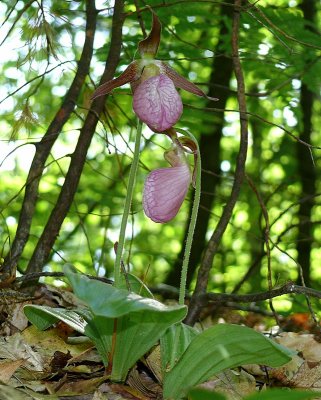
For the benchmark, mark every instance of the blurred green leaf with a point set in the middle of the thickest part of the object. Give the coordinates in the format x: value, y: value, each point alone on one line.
x: 203, y: 394
x: 269, y: 394
x: 283, y: 394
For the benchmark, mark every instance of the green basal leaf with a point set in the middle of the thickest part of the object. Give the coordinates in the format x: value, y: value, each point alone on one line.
x: 111, y: 302
x: 216, y: 349
x: 39, y: 317
x: 100, y: 331
x: 138, y: 322
x: 137, y: 333
x: 173, y: 344
x: 43, y: 317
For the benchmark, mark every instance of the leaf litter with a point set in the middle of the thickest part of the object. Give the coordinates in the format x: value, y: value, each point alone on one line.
x: 58, y: 363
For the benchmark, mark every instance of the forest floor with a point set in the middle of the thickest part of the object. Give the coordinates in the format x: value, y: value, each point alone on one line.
x: 59, y: 364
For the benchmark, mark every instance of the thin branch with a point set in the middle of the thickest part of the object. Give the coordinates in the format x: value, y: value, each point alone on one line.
x: 287, y: 288
x: 40, y: 76
x: 297, y: 203
x: 297, y: 75
x: 204, y: 299
x: 13, y: 7
x: 174, y: 3
x: 270, y: 60
x: 297, y: 139
x: 19, y: 15
x: 314, y: 317
x: 276, y: 28
x: 36, y: 275
x: 215, y: 240
x: 255, y: 264
x: 267, y: 242
x: 140, y: 19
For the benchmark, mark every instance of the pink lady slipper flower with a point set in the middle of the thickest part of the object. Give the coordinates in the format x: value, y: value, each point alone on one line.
x: 155, y: 98
x: 165, y: 188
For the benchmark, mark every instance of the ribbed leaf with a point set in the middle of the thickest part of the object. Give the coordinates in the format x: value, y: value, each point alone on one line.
x: 174, y: 342
x: 43, y: 317
x: 108, y: 301
x: 136, y: 335
x: 218, y: 348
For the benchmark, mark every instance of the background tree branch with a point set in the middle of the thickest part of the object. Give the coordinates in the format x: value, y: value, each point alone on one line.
x: 215, y: 240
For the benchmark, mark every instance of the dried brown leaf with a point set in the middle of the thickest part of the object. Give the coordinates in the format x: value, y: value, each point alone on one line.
x: 74, y: 387
x: 303, y: 343
x: 8, y: 368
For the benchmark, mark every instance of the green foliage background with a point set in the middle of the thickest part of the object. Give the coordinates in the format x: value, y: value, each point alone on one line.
x: 278, y: 55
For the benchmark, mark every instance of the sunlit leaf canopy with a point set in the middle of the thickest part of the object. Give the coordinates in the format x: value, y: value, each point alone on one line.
x: 40, y: 47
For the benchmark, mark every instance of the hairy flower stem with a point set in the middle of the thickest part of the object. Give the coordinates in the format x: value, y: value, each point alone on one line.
x: 127, y: 205
x: 189, y: 240
x: 191, y: 228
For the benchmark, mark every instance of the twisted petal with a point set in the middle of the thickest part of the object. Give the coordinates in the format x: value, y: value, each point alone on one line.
x: 164, y: 192
x: 183, y: 83
x: 157, y: 103
x: 129, y: 75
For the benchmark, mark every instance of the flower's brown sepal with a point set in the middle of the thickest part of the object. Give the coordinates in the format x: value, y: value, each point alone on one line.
x: 184, y: 141
x: 182, y: 83
x: 130, y: 74
x: 148, y: 47
x: 171, y: 133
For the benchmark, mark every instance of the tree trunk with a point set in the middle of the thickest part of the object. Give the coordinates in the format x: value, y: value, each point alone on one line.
x: 78, y: 158
x: 306, y: 168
